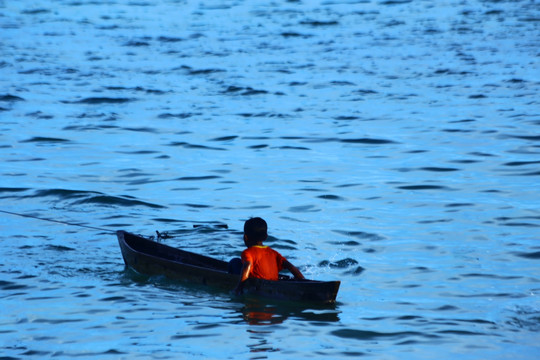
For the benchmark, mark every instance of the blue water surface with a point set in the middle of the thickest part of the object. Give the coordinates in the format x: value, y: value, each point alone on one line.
x: 392, y: 145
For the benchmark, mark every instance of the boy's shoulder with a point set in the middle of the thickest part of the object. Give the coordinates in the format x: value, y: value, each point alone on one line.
x: 258, y: 249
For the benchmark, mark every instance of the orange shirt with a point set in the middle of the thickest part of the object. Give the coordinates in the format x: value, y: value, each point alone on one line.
x: 266, y: 263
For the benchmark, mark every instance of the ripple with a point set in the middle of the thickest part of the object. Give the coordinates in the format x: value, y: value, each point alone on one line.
x: 143, y: 129
x: 293, y: 34
x: 477, y: 96
x: 10, y: 190
x: 492, y: 276
x: 439, y: 169
x: 521, y: 224
x: 291, y: 148
x: 100, y: 100
x: 197, y: 206
x: 423, y: 187
x: 10, y: 98
x: 319, y: 23
x: 177, y: 116
x: 40, y: 139
x: 33, y: 353
x: 191, y: 336
x: 40, y: 115
x: 26, y: 160
x: 138, y: 42
x: 198, y: 178
x: 345, y: 243
x: 492, y: 295
x: 360, y: 235
x: 460, y: 332
x: 116, y: 201
x: 243, y: 91
x: 455, y: 205
x: 521, y: 163
x: 116, y: 299
x: 194, y: 146
x: 9, y: 285
x: 169, y: 39
x: 139, y: 152
x: 530, y: 255
x: 58, y: 248
x: 56, y: 321
x: 64, y: 193
x: 255, y: 147
x: 518, y: 221
x: 368, y: 141
x: 366, y: 92
x: 346, y: 118
x: 264, y: 114
x: 527, y: 137
x: 330, y: 197
x: 190, y: 71
x: 525, y: 317
x: 137, y: 89
x: 374, y: 335
x: 225, y: 138
x: 304, y: 209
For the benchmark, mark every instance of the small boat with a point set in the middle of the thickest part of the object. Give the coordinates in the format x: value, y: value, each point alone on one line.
x: 153, y: 258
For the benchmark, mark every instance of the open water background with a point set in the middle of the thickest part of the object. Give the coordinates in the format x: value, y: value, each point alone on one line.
x: 393, y: 145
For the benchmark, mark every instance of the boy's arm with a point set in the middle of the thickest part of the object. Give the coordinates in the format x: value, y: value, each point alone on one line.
x: 246, y: 269
x: 293, y: 269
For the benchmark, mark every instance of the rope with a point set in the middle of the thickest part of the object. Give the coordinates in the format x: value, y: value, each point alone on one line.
x: 160, y: 236
x: 57, y: 221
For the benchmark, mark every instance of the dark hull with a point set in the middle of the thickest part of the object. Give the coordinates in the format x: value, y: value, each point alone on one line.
x: 153, y: 258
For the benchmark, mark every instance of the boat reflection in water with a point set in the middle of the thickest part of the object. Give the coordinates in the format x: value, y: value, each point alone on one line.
x: 262, y: 311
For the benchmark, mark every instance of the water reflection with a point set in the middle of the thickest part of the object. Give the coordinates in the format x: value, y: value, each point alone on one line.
x: 256, y: 312
x: 259, y: 311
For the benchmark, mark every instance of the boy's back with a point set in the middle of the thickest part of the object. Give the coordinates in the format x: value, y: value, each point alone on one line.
x: 266, y: 262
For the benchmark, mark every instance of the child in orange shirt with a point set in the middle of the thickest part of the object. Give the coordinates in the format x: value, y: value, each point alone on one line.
x: 261, y: 261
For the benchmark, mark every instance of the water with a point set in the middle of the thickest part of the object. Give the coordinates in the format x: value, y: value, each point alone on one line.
x: 392, y: 145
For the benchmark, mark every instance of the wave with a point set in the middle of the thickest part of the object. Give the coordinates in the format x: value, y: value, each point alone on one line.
x: 117, y: 201
x: 80, y: 197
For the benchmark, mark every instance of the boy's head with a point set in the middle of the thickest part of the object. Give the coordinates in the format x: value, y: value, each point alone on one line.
x: 255, y: 231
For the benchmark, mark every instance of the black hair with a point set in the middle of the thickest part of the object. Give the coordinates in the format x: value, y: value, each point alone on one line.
x: 255, y: 229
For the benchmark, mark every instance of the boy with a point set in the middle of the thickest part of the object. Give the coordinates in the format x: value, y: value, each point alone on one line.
x: 261, y: 261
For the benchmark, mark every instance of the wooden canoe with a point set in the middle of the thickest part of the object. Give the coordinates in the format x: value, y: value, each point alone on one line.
x: 154, y: 258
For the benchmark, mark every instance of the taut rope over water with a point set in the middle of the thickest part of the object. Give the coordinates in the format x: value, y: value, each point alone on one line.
x: 160, y: 235
x: 58, y: 221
